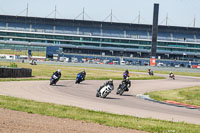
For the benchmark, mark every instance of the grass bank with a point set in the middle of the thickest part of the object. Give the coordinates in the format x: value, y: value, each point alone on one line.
x: 190, y: 95
x: 23, y: 52
x: 44, y: 71
x: 108, y: 119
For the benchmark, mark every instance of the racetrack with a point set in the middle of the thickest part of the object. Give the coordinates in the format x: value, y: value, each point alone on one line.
x: 83, y: 95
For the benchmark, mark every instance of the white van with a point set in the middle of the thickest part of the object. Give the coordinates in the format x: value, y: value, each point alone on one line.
x: 122, y: 62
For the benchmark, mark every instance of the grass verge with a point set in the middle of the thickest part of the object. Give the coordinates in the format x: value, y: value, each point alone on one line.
x: 190, y: 95
x: 22, y: 52
x: 108, y: 119
x: 69, y: 72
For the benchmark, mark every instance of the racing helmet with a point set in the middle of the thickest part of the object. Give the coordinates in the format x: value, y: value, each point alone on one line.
x: 59, y: 71
x: 110, y: 80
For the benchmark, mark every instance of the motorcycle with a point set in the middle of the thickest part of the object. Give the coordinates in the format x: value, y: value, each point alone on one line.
x: 122, y: 87
x: 54, y: 79
x: 103, y: 93
x: 33, y: 62
x: 79, y: 78
x: 151, y: 73
x: 172, y: 76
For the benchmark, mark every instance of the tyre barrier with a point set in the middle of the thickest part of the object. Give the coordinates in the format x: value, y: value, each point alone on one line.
x: 15, y: 72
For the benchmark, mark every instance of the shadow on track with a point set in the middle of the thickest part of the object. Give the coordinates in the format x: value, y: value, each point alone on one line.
x: 84, y: 84
x: 128, y: 95
x: 111, y: 98
x: 59, y: 85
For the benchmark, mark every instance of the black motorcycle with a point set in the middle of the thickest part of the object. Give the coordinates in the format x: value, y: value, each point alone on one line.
x: 122, y: 87
x: 54, y: 79
x: 151, y: 73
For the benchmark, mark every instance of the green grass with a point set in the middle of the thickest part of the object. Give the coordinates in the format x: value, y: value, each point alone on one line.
x: 44, y: 71
x: 108, y: 119
x: 190, y: 95
x: 22, y: 52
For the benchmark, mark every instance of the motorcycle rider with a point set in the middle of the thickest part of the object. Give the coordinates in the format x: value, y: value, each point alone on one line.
x: 110, y: 82
x: 83, y: 74
x: 127, y: 82
x: 126, y: 74
x: 170, y: 74
x: 57, y: 74
x: 150, y: 72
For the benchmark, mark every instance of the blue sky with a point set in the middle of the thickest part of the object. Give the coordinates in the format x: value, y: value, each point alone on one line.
x: 180, y: 12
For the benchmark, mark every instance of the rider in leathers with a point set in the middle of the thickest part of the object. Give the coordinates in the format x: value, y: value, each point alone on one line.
x: 127, y: 82
x: 110, y: 82
x: 83, y: 74
x: 126, y: 74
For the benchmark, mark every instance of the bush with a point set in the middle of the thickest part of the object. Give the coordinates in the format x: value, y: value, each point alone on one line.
x: 13, y: 65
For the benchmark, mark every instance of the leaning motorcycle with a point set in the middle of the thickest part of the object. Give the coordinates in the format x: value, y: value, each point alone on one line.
x: 53, y: 80
x: 151, y: 73
x: 172, y: 76
x: 79, y: 79
x: 103, y: 93
x: 122, y: 87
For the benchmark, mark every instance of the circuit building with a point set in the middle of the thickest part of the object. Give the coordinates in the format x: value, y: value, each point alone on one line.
x: 81, y: 37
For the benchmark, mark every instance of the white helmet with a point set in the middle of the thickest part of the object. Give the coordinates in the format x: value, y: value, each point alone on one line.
x: 59, y: 71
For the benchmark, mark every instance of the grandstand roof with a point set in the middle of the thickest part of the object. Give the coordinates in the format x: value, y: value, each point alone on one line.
x: 97, y: 24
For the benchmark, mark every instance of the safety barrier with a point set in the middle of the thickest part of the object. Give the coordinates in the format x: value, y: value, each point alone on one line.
x: 15, y: 72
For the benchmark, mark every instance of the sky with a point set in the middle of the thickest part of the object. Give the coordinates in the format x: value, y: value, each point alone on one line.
x: 179, y: 12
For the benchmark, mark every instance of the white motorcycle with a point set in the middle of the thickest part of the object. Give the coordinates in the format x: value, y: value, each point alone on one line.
x: 104, y: 91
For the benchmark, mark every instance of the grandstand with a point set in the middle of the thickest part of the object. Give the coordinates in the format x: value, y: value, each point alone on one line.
x: 98, y: 38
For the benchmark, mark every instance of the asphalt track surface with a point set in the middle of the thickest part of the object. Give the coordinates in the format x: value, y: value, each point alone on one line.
x: 66, y: 92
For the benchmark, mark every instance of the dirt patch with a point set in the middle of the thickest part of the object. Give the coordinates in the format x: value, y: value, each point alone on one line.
x: 18, y: 122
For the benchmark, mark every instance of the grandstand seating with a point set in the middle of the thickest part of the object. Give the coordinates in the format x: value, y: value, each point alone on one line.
x: 137, y: 34
x: 66, y: 30
x: 2, y: 25
x: 18, y: 26
x: 164, y: 36
x: 89, y: 31
x: 98, y: 32
x: 113, y: 33
x: 183, y: 37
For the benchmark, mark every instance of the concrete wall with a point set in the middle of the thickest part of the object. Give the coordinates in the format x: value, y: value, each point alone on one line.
x: 15, y: 72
